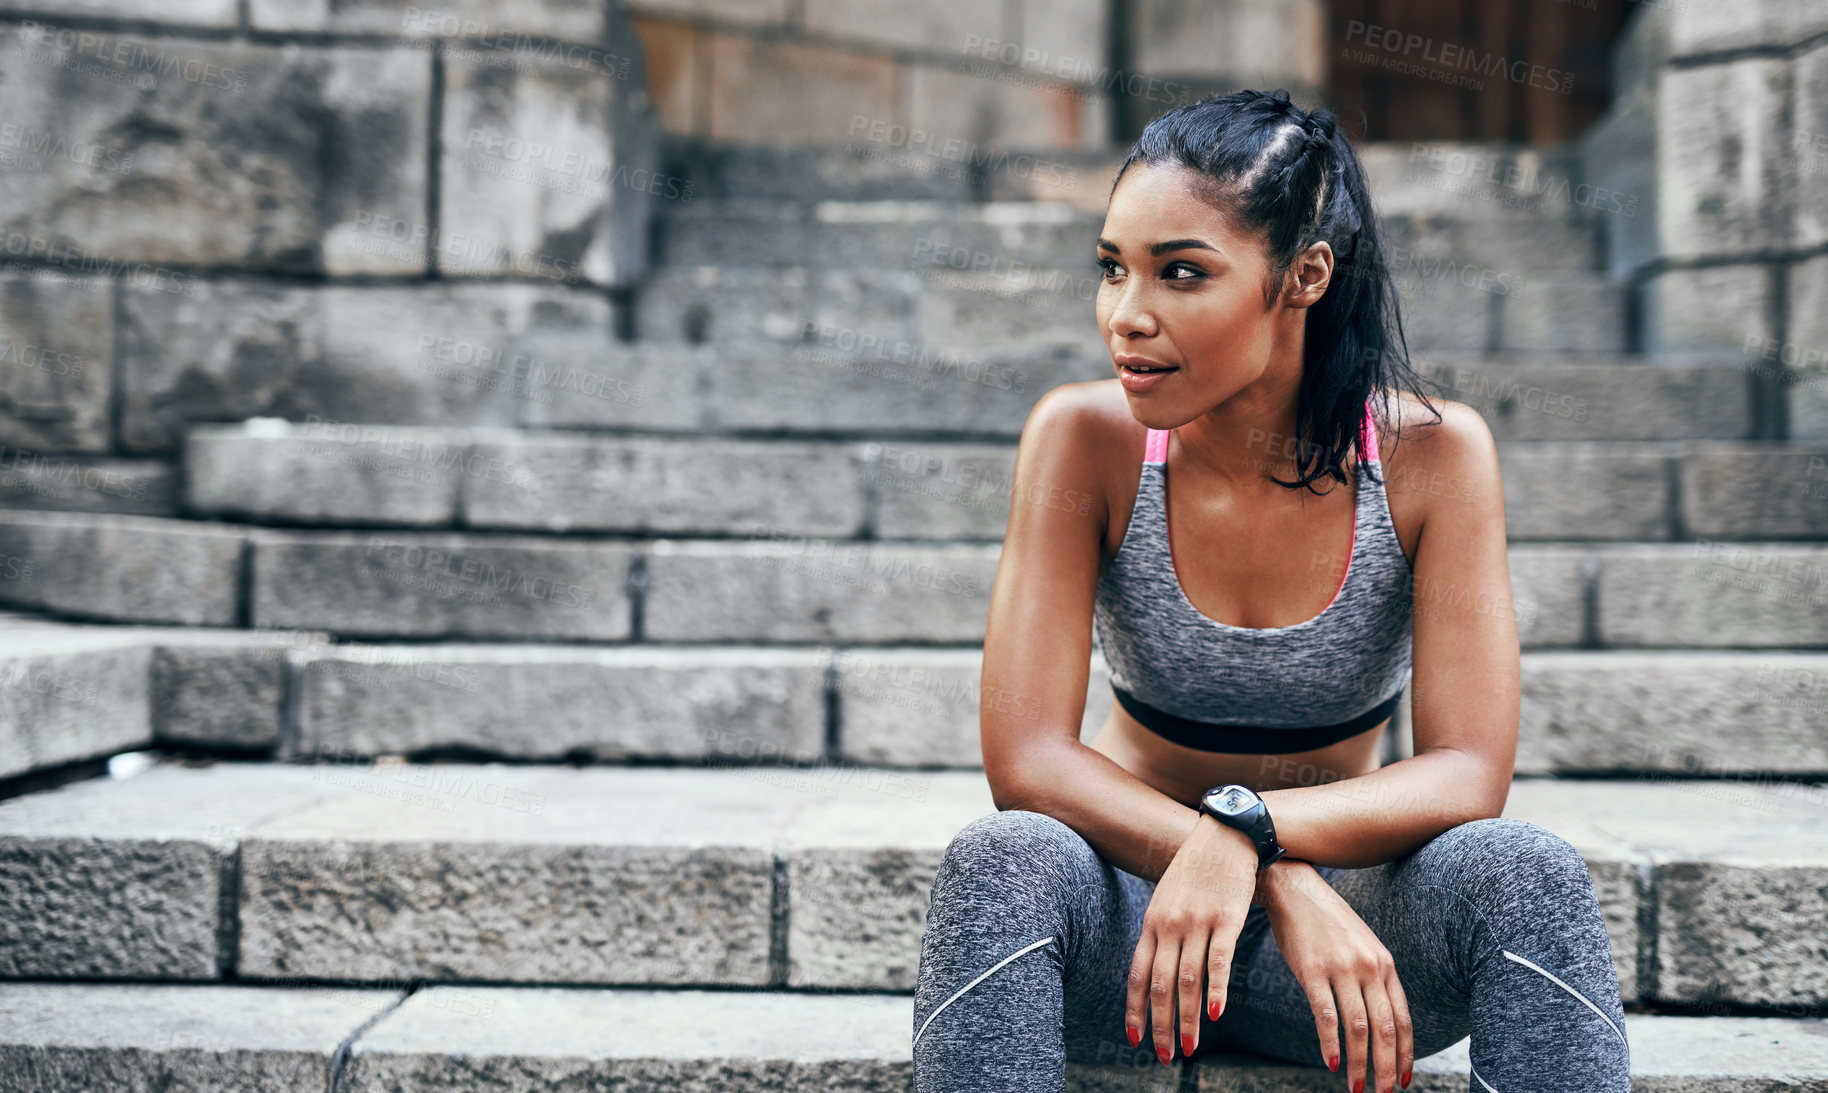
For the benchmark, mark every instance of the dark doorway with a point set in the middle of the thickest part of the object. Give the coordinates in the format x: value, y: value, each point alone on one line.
x: 1532, y: 71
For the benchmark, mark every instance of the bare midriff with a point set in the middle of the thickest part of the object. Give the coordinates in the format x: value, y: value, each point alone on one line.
x: 1185, y: 773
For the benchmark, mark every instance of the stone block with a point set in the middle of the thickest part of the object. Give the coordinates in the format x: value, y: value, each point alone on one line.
x: 943, y: 26
x: 776, y: 91
x: 1444, y: 315
x: 949, y: 491
x: 1776, y: 492
x: 225, y: 696
x: 1563, y: 313
x: 668, y: 486
x: 70, y: 697
x: 206, y: 13
x: 324, y: 473
x: 551, y: 703
x: 987, y: 108
x: 125, y: 878
x: 636, y: 1038
x: 1725, y: 179
x: 197, y: 1039
x: 1712, y: 594
x: 1069, y: 38
x: 403, y: 584
x: 855, y: 919
x: 530, y: 179
x: 776, y: 586
x: 1036, y: 315
x: 674, y: 73
x: 1585, y: 491
x: 86, y: 483
x: 512, y: 873
x: 1809, y: 147
x: 56, y: 361
x: 494, y: 24
x: 217, y: 154
x: 124, y: 568
x: 1673, y: 713
x: 1548, y: 590
x: 581, y: 377
x: 1713, y: 28
x: 1252, y: 42
x: 755, y: 307
x: 433, y: 354
x: 1522, y: 399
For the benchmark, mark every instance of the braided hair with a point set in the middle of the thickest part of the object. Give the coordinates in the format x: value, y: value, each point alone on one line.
x: 1293, y: 176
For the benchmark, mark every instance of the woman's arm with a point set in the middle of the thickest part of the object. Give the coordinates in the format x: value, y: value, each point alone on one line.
x: 1465, y: 686
x: 1038, y: 645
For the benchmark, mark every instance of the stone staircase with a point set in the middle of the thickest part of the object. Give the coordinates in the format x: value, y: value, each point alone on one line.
x: 614, y: 741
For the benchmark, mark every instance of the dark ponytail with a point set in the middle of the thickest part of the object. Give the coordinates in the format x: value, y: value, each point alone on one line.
x: 1295, y: 176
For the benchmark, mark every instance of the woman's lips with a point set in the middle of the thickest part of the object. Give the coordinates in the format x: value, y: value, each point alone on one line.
x: 1141, y: 378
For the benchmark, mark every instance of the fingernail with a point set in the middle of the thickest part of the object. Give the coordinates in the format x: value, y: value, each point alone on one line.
x: 1186, y: 1044
x: 1405, y: 1079
x: 1333, y: 1063
x: 1134, y: 1033
x: 1358, y: 1086
x: 1162, y: 1052
x: 1213, y: 1009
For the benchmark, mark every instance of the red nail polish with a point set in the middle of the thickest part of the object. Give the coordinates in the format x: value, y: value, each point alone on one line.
x: 1186, y: 1044
x: 1214, y: 1010
x: 1134, y: 1033
x: 1358, y: 1086
x: 1162, y: 1052
x: 1333, y: 1063
x: 1405, y: 1079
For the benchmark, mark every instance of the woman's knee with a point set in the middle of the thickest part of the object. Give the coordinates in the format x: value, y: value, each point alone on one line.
x: 1016, y: 845
x: 1501, y: 853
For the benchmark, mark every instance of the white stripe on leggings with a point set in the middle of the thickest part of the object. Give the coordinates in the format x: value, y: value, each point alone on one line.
x: 1480, y: 1080
x: 1572, y: 991
x: 975, y: 982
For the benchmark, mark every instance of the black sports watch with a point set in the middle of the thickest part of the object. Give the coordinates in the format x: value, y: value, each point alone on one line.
x: 1239, y: 806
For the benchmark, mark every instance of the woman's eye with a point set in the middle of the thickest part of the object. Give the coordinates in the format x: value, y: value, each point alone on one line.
x: 1110, y: 268
x: 1174, y: 272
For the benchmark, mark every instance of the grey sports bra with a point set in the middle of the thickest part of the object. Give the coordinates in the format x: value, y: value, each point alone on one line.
x: 1207, y: 685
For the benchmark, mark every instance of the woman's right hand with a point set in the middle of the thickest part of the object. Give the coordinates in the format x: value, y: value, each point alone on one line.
x: 1347, y: 973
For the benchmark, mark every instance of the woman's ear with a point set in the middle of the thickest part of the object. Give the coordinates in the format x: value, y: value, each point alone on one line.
x: 1310, y: 275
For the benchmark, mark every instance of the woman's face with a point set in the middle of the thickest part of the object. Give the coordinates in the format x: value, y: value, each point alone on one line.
x: 1182, y: 294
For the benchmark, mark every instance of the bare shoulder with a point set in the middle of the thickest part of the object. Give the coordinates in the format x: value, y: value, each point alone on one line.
x: 1080, y: 435
x: 1440, y: 462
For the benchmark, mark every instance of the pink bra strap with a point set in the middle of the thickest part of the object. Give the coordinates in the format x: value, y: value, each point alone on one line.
x: 1156, y: 450
x: 1367, y: 435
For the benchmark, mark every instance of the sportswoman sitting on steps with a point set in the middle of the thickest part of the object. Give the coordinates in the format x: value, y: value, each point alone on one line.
x: 1327, y: 524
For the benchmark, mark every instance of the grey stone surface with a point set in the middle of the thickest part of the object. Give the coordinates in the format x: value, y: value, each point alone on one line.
x: 1710, y: 594
x: 921, y: 707
x: 949, y: 491
x: 1562, y: 313
x: 1548, y: 594
x: 941, y: 27
x: 839, y: 382
x: 212, y: 13
x: 425, y: 354
x: 636, y: 1039
x: 223, y: 154
x: 1769, y: 492
x: 1674, y: 713
x: 1585, y: 491
x: 84, y: 483
x: 517, y: 873
x: 65, y: 697
x: 141, y: 1037
x: 1709, y: 310
x: 529, y: 177
x: 690, y: 485
x: 1252, y: 42
x: 739, y: 306
x: 780, y: 586
x: 1804, y: 357
x: 323, y: 473
x: 1737, y: 865
x: 1036, y: 313
x: 1725, y: 177
x: 1621, y: 399
x: 499, y: 25
x: 127, y: 568
x: 548, y: 703
x: 125, y: 878
x: 580, y: 377
x: 1738, y: 26
x: 1442, y: 315
x: 428, y: 585
x: 56, y: 358
x: 228, y: 695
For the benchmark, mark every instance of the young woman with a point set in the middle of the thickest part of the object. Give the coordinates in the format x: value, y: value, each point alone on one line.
x: 1285, y: 531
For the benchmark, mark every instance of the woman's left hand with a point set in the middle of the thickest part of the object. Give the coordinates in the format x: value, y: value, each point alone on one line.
x: 1189, y: 936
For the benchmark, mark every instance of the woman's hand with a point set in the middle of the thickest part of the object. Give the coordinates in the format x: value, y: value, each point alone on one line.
x: 1189, y: 935
x: 1339, y: 961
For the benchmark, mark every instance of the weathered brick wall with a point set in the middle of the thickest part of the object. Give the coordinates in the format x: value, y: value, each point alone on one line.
x: 1031, y: 74
x: 211, y: 210
x: 1722, y: 119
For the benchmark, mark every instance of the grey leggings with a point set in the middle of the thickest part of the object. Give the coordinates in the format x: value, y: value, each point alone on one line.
x: 1494, y: 927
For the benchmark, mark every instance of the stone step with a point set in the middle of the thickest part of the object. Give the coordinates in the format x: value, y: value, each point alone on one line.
x: 554, y: 481
x: 62, y: 1036
x: 777, y: 586
x: 738, y: 878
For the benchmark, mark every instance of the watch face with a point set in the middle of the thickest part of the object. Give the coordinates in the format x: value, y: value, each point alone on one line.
x: 1233, y: 801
